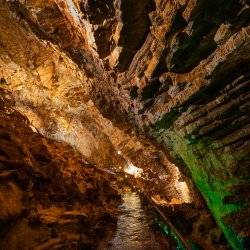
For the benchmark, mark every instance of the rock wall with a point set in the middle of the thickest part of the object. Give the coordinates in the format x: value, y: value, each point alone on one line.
x: 47, y: 86
x: 36, y: 57
x: 50, y: 197
x: 176, y: 71
x: 187, y: 85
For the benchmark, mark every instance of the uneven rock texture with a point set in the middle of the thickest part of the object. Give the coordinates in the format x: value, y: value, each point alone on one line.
x: 187, y: 86
x: 30, y: 65
x: 60, y: 106
x: 174, y: 71
x: 50, y: 197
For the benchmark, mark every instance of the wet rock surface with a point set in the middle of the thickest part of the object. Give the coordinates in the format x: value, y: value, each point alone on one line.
x: 134, y: 229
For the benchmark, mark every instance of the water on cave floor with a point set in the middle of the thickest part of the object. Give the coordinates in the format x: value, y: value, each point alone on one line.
x: 133, y: 230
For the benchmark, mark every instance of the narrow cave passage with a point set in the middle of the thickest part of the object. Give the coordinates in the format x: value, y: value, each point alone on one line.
x: 52, y: 198
x: 124, y: 124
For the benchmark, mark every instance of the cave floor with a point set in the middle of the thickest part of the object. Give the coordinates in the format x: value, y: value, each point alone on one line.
x: 135, y: 227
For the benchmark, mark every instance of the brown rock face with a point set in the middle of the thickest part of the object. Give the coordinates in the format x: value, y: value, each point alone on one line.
x: 176, y: 72
x: 50, y: 197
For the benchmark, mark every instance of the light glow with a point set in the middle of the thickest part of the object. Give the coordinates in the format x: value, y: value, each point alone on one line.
x: 133, y: 170
x: 184, y: 191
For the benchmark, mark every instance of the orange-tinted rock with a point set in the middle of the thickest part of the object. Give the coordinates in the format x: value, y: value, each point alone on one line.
x: 50, y: 196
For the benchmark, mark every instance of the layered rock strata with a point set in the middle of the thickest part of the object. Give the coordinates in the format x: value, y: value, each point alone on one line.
x: 187, y: 86
x: 176, y: 71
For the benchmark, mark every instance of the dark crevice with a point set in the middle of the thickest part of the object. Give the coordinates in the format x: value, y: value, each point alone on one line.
x: 207, y: 17
x: 136, y: 24
x: 161, y: 66
x: 97, y: 10
x: 151, y: 90
x: 133, y: 92
x: 101, y: 13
